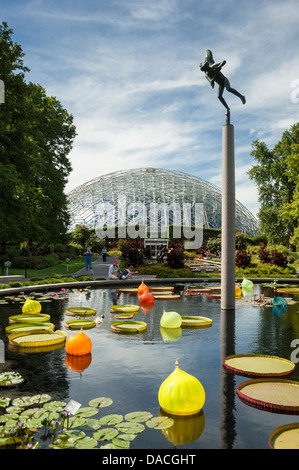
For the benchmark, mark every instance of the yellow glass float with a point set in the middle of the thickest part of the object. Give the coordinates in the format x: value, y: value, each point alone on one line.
x: 238, y: 291
x: 181, y: 393
x: 170, y: 320
x: 31, y: 306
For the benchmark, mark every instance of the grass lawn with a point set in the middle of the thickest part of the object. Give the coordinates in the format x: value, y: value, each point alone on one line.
x: 57, y: 270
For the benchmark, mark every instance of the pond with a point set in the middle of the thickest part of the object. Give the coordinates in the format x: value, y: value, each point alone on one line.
x: 130, y: 368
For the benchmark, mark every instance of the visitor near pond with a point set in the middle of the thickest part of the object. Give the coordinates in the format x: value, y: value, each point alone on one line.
x: 88, y: 264
x: 104, y: 254
x: 127, y: 273
x: 114, y: 271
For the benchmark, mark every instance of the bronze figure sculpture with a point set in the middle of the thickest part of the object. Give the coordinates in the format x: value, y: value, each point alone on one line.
x: 213, y: 74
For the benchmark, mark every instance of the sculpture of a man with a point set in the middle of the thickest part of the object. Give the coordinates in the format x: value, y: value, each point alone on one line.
x: 213, y: 74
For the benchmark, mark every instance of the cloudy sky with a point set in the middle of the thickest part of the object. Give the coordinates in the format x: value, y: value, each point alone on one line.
x: 128, y: 71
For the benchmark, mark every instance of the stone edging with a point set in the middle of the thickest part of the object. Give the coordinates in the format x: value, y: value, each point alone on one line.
x: 134, y: 282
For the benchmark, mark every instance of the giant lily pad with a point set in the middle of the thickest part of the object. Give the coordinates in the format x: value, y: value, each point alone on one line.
x: 124, y: 309
x: 15, y: 327
x: 81, y: 311
x: 285, y: 437
x: 129, y: 326
x: 34, y: 317
x: 195, y: 321
x: 258, y: 365
x: 37, y: 340
x: 80, y: 324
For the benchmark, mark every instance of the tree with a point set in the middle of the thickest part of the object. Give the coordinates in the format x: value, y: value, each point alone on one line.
x: 36, y: 136
x: 276, y: 176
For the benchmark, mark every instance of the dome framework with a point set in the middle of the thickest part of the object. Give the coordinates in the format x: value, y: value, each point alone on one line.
x: 97, y: 202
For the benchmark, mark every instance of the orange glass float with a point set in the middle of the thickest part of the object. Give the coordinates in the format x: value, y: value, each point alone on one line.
x: 142, y: 289
x: 146, y: 297
x: 78, y: 344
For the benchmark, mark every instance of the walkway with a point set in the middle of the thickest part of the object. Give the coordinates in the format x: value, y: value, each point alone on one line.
x: 100, y: 270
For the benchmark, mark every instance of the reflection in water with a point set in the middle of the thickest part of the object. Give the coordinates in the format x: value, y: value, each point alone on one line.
x: 185, y: 429
x: 78, y: 363
x: 227, y: 427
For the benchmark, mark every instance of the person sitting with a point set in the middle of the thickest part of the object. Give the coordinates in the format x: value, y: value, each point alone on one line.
x: 114, y: 271
x: 127, y: 273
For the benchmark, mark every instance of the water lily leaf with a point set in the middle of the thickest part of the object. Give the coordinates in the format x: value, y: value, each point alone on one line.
x: 101, y: 402
x: 108, y: 446
x: 105, y: 434
x: 111, y: 419
x: 4, y: 402
x: 121, y: 443
x: 29, y: 412
x: 14, y: 409
x: 130, y: 427
x: 138, y: 416
x: 86, y: 412
x: 91, y: 425
x: 10, y: 378
x: 34, y: 423
x: 55, y: 406
x: 11, y: 424
x: 161, y: 422
x: 127, y: 437
x: 8, y: 416
x: 76, y: 422
x: 68, y: 439
x: 22, y: 401
x: 42, y: 398
x: 86, y: 443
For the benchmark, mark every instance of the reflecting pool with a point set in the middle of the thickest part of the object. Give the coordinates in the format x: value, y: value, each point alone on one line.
x: 130, y: 368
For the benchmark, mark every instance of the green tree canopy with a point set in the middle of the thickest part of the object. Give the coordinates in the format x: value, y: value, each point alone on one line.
x: 276, y: 175
x: 36, y: 136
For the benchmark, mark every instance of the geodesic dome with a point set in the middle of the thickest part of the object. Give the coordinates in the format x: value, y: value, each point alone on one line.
x: 99, y: 199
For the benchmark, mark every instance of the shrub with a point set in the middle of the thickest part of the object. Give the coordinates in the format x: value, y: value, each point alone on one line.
x: 243, y: 259
x: 132, y: 251
x: 175, y: 256
x: 279, y: 259
x: 264, y: 255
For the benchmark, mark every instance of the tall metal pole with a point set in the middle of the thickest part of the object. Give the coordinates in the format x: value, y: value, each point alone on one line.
x: 228, y: 219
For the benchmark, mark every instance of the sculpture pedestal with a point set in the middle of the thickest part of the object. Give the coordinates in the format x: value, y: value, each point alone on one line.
x: 228, y: 219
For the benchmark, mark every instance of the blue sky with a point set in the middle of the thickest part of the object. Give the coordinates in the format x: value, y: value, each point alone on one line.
x: 128, y: 71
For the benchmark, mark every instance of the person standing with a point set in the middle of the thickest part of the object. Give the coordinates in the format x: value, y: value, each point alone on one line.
x: 104, y: 254
x: 88, y: 264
